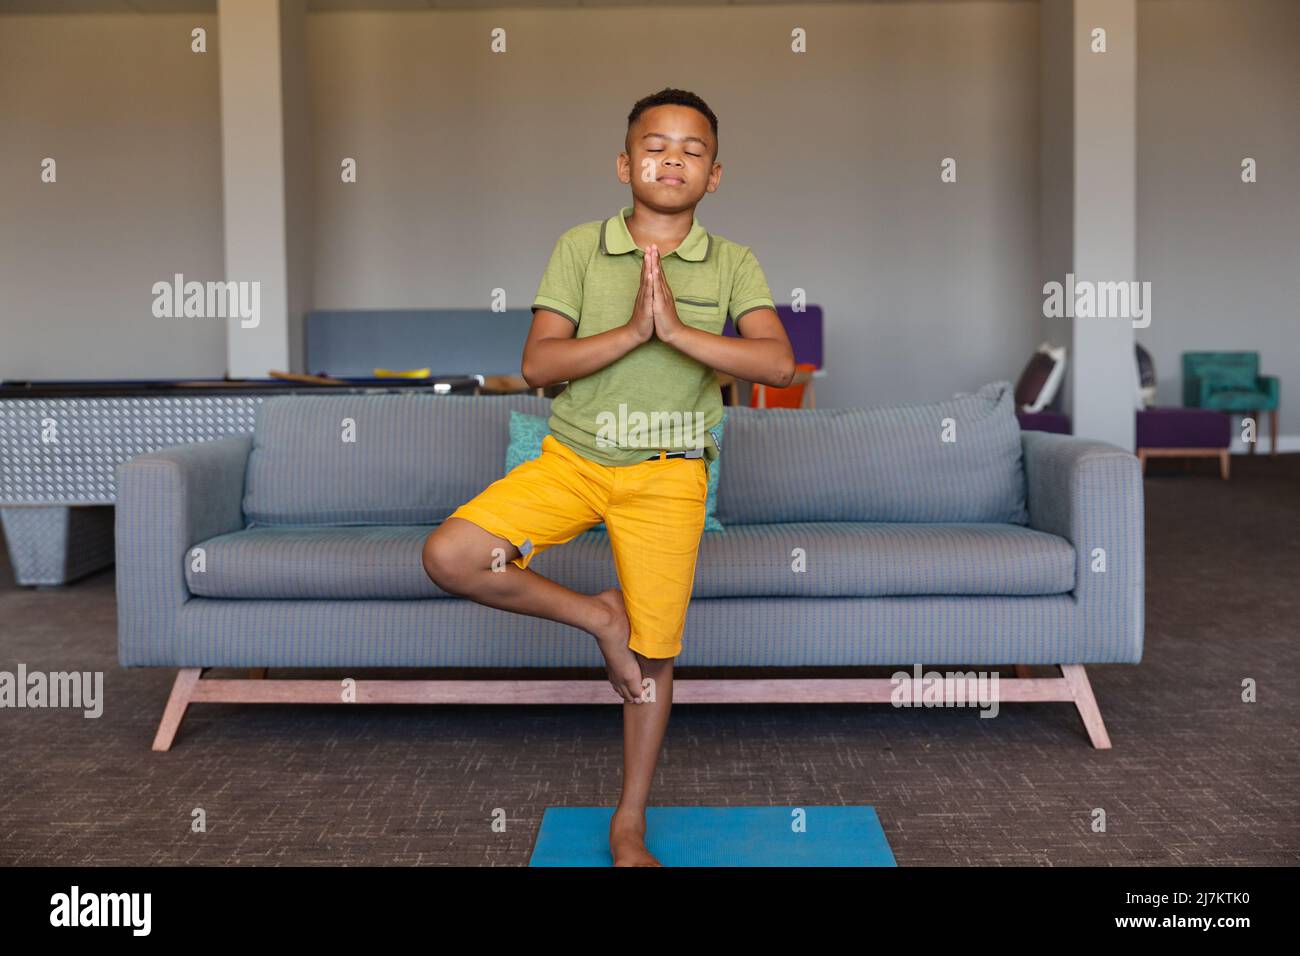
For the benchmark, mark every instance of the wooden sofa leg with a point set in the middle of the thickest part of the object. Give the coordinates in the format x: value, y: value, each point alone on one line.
x: 257, y: 689
x: 1225, y: 464
x: 182, y: 693
x: 1081, y: 691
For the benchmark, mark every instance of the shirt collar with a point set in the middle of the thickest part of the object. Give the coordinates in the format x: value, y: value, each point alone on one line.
x: 616, y: 240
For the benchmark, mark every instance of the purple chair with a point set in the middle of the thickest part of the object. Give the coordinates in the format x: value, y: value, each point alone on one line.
x: 805, y: 331
x: 1161, y: 433
x: 1184, y: 433
x: 1055, y: 422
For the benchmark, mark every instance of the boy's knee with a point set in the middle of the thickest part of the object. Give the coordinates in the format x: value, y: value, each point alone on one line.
x: 444, y: 561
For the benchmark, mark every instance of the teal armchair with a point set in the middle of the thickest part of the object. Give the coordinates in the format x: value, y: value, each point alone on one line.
x: 1230, y: 382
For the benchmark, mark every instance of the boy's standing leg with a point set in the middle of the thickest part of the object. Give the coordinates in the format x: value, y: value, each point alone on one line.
x: 644, y: 726
x: 654, y: 512
x: 655, y: 519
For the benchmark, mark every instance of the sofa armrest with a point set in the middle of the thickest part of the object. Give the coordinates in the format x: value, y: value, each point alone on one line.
x: 1090, y: 493
x: 167, y: 501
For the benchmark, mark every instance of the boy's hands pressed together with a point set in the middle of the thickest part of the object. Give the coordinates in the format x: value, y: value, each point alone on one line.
x: 666, y: 321
x: 763, y: 355
x: 642, y: 320
x: 553, y: 353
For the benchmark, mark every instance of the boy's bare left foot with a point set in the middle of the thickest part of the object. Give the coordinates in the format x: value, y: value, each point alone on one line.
x: 620, y: 660
x: 627, y: 840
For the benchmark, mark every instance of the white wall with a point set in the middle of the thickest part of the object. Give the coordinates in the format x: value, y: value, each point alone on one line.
x: 1105, y: 379
x: 1056, y: 172
x: 1219, y: 80
x: 472, y: 164
x: 130, y: 115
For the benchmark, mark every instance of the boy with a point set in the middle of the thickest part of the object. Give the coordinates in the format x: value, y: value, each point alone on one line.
x: 630, y: 314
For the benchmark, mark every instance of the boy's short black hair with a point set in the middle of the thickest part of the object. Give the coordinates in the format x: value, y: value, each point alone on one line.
x: 669, y: 96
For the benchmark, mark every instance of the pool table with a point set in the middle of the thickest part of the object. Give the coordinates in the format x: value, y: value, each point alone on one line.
x: 61, y: 443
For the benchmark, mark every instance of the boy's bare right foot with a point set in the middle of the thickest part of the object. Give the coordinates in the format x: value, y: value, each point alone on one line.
x: 612, y: 637
x: 627, y: 840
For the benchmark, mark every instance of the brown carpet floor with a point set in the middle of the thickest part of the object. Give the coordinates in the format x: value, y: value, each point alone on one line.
x: 1195, y: 776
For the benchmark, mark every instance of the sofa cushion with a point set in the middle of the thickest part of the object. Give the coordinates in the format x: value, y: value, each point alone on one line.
x: 415, y: 458
x: 865, y: 559
x: 877, y: 463
x: 840, y: 559
x: 314, y: 563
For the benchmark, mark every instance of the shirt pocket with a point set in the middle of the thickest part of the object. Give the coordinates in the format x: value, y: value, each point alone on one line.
x: 698, y: 306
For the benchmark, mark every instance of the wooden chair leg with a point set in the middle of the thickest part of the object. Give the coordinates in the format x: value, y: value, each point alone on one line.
x: 1255, y: 443
x: 1081, y: 690
x: 174, y: 713
x: 1272, y: 433
x: 1225, y: 464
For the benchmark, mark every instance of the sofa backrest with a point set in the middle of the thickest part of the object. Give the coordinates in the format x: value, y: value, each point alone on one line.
x: 415, y: 458
x: 885, y: 463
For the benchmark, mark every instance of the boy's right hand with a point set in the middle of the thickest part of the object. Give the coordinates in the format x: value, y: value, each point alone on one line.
x: 642, y: 321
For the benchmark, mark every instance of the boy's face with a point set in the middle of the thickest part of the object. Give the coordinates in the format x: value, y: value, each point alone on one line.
x: 668, y: 159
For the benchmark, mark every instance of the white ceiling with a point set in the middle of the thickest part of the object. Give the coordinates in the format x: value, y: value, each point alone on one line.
x: 325, y: 6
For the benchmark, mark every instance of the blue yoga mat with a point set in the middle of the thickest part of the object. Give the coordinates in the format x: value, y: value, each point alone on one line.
x: 721, y: 836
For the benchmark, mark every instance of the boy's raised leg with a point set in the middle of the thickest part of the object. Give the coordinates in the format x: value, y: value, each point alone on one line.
x: 459, y: 557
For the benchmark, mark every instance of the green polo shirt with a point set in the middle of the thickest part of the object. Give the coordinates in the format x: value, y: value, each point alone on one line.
x: 654, y: 396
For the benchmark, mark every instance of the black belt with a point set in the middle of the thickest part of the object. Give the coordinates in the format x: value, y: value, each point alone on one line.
x: 693, y: 453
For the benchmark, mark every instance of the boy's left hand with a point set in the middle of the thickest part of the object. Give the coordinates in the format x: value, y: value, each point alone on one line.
x: 667, y: 323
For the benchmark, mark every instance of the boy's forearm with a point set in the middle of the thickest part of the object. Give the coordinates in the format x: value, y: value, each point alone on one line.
x: 550, y: 361
x: 765, y: 361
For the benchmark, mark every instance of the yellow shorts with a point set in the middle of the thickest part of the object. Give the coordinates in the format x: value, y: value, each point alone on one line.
x: 654, y: 511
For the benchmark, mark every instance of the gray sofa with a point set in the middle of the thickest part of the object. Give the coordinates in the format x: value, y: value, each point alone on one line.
x: 932, y: 534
